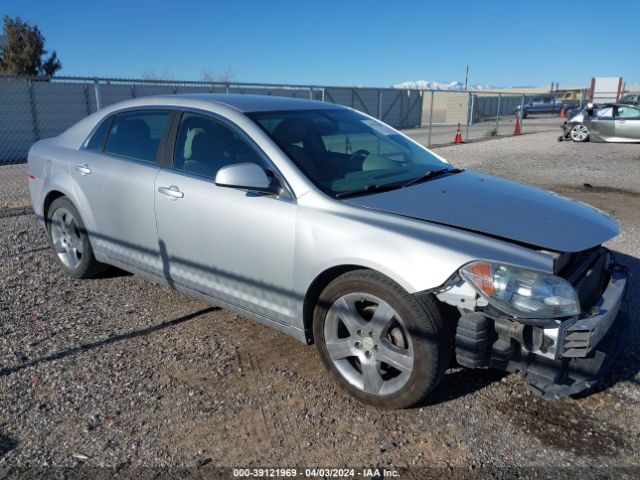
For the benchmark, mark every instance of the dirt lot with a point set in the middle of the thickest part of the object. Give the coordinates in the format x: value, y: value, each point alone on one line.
x: 117, y: 372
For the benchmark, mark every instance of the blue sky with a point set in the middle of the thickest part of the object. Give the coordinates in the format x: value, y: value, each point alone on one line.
x: 376, y: 43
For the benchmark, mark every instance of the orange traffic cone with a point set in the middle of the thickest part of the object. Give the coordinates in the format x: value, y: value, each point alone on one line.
x: 563, y: 113
x: 458, y: 137
x: 516, y: 131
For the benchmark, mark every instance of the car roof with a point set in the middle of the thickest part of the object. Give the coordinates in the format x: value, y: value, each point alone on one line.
x: 248, y: 103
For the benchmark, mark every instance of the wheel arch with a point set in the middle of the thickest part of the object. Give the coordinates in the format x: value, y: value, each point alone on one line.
x: 49, y: 198
x: 321, y: 281
x: 316, y: 287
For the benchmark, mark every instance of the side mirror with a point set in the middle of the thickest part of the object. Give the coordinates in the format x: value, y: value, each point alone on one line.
x: 246, y: 176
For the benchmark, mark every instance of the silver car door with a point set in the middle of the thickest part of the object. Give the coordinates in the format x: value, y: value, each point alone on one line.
x: 602, y: 124
x: 114, y: 183
x: 233, y: 245
x: 628, y: 123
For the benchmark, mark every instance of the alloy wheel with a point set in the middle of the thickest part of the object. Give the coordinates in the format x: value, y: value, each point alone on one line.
x: 369, y: 343
x: 579, y: 133
x: 67, y: 238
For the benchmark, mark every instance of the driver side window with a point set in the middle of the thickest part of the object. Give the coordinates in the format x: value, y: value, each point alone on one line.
x: 604, y: 113
x: 204, y: 145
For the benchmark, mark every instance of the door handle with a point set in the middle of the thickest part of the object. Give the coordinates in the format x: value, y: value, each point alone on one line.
x: 172, y: 191
x: 620, y: 121
x: 83, y: 169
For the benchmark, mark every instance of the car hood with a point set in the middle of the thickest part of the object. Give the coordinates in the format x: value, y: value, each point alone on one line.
x: 500, y: 208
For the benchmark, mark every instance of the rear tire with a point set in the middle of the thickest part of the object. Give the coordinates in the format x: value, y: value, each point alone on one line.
x: 69, y: 240
x: 382, y: 345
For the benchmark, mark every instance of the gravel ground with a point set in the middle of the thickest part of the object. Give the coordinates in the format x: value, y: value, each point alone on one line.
x: 13, y: 184
x: 116, y: 372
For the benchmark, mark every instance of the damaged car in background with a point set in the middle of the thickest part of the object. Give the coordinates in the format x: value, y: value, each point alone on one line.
x: 332, y: 227
x: 603, y: 123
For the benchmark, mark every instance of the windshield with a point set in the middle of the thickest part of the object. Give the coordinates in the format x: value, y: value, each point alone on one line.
x: 344, y: 151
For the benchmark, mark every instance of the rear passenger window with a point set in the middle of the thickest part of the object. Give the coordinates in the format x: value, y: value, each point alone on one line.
x: 96, y: 142
x: 137, y: 134
x: 628, y: 112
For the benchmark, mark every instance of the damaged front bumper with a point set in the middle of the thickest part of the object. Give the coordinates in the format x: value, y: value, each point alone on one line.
x: 566, y: 129
x: 586, y: 348
x: 562, y: 357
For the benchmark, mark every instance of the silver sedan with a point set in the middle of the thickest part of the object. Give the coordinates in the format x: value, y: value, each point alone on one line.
x: 613, y: 123
x: 333, y: 227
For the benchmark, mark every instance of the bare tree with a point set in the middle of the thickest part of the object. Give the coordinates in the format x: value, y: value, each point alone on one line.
x: 152, y: 75
x: 210, y: 76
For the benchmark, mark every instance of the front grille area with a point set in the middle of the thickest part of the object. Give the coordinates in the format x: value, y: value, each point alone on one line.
x: 589, y: 276
x: 566, y: 264
x: 594, y: 281
x: 588, y: 271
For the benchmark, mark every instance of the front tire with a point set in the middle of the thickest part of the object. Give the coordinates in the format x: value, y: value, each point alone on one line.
x: 69, y: 240
x: 380, y: 343
x: 579, y: 133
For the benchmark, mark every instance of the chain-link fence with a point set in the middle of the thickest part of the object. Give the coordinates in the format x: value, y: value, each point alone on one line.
x: 33, y: 108
x: 484, y: 115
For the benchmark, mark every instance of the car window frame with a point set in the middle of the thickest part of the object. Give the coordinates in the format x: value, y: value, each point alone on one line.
x: 106, y: 120
x: 111, y: 118
x: 167, y: 160
x: 617, y: 116
x: 597, y: 118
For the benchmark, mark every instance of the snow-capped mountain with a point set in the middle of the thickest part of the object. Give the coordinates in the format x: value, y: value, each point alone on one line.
x: 434, y: 85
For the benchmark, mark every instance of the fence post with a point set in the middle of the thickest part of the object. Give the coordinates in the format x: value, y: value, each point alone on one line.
x: 227, y: 88
x: 34, y: 113
x: 498, y: 114
x: 87, y: 101
x: 470, y: 114
x: 380, y: 104
x: 522, y: 112
x: 96, y: 90
x: 310, y: 93
x: 430, y: 118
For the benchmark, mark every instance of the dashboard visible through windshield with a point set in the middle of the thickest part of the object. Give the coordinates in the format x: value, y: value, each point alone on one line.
x: 342, y: 151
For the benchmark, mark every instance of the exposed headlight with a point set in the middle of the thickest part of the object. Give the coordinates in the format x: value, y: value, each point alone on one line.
x: 521, y: 292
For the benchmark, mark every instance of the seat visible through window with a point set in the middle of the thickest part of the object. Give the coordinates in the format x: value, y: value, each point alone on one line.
x: 205, y: 145
x: 137, y: 134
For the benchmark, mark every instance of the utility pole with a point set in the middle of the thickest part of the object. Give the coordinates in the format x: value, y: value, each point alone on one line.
x: 466, y: 78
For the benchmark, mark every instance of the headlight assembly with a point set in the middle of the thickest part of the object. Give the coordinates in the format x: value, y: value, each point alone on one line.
x: 522, y: 293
